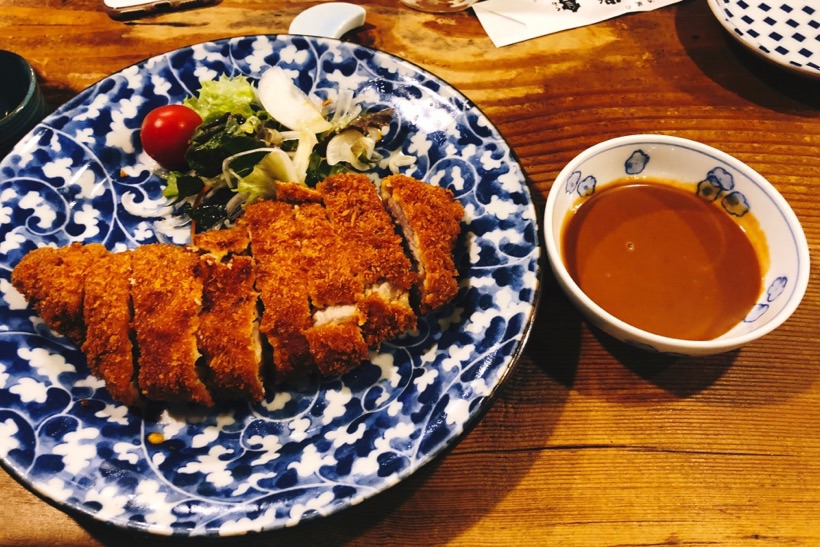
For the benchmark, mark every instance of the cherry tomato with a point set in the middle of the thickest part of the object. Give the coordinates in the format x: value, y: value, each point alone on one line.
x: 166, y: 133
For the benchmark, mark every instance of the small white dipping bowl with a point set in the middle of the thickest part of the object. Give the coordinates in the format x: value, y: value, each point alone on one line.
x: 686, y: 162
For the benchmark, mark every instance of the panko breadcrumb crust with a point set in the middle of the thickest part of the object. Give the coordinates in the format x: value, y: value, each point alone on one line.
x: 108, y: 347
x: 52, y: 281
x: 431, y: 220
x: 228, y: 337
x: 167, y: 298
x: 317, y: 278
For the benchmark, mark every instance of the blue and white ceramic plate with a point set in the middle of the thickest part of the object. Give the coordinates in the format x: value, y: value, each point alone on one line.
x: 305, y: 452
x: 785, y: 32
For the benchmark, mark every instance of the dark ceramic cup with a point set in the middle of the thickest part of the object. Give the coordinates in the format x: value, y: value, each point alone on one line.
x: 21, y: 101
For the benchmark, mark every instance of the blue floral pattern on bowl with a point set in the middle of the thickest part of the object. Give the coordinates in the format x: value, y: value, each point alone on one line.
x: 308, y: 450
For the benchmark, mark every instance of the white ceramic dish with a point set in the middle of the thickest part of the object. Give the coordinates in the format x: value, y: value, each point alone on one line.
x: 786, y: 32
x: 728, y: 180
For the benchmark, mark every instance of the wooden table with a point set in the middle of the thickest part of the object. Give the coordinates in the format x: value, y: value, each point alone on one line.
x: 589, y: 442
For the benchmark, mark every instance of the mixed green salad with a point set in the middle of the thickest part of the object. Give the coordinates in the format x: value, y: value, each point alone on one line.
x: 232, y: 143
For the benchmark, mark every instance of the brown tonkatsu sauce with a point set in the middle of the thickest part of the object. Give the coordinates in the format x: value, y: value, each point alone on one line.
x: 662, y: 259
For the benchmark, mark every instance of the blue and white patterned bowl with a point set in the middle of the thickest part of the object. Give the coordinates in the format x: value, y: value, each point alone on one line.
x: 699, y: 167
x: 306, y: 451
x: 786, y: 32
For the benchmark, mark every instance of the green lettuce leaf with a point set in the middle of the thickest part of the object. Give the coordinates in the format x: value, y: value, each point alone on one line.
x: 217, y: 139
x: 180, y: 186
x: 261, y: 182
x: 225, y: 95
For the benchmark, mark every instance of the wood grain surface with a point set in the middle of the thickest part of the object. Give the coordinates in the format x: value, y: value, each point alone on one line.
x: 589, y: 442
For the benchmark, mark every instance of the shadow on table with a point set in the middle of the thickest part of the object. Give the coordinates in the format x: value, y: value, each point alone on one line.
x: 756, y: 375
x: 618, y: 371
x: 676, y: 377
x: 754, y: 79
x: 556, y: 343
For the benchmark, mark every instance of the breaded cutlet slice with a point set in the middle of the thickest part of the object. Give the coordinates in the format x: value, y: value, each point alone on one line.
x: 388, y: 314
x: 296, y: 193
x: 220, y: 243
x: 377, y: 255
x: 336, y: 347
x: 430, y: 218
x: 51, y: 279
x: 107, y: 312
x: 336, y: 341
x: 326, y: 259
x: 228, y: 334
x: 353, y: 206
x: 281, y: 282
x: 167, y: 298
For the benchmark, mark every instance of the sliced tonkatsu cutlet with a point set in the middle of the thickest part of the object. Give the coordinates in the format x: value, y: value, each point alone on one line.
x: 313, y: 281
x: 335, y: 339
x: 167, y: 297
x: 280, y: 280
x: 431, y: 221
x: 296, y: 193
x: 377, y: 255
x: 326, y: 259
x: 108, y: 346
x: 337, y: 347
x: 228, y: 334
x: 220, y: 243
x: 353, y: 206
x: 51, y: 279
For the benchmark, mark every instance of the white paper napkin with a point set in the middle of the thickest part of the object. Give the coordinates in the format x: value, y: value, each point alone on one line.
x: 511, y: 21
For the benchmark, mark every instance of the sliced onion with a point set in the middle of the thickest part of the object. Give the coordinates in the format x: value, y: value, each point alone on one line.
x: 288, y: 104
x: 348, y: 146
x: 301, y: 156
x: 346, y: 110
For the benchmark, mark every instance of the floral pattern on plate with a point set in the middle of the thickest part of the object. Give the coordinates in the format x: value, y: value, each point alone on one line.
x: 308, y: 450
